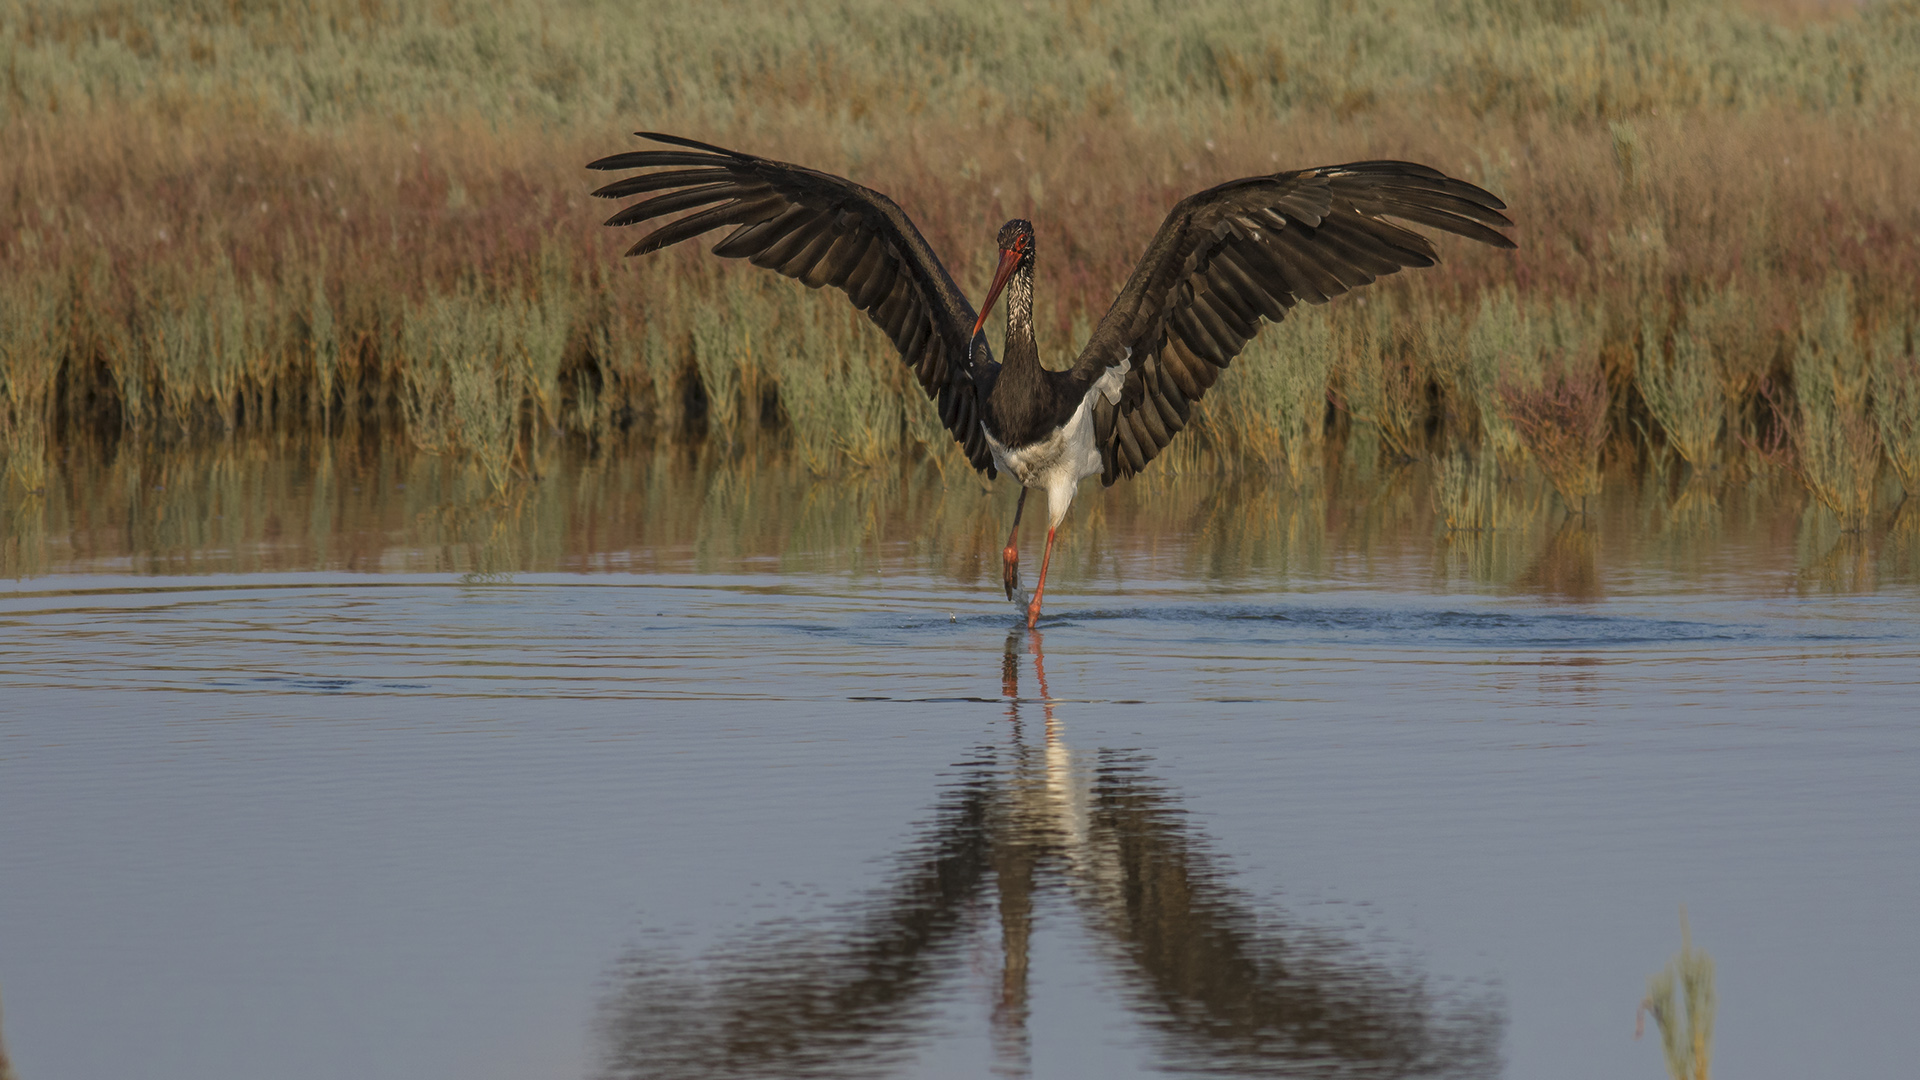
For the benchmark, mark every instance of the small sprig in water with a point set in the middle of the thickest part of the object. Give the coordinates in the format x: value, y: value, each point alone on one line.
x: 1686, y: 1034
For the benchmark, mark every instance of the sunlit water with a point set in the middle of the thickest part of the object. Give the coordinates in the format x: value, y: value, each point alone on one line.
x: 710, y: 787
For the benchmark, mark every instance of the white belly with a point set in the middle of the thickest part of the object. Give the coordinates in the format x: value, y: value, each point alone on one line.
x: 1057, y: 463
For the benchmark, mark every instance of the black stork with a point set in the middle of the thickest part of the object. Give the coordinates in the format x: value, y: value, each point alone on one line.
x: 1224, y: 259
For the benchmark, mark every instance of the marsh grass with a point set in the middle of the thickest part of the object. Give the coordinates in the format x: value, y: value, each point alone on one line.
x: 1835, y: 444
x: 1538, y: 380
x: 1728, y: 327
x: 1896, y: 404
x: 463, y: 389
x: 339, y: 217
x: 1384, y: 368
x: 1501, y: 357
x: 1563, y: 424
x: 1689, y: 379
x: 32, y: 316
x: 1271, y: 412
x: 1683, y: 1004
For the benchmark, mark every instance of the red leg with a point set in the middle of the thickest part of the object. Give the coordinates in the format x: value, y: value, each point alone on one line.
x: 1011, y: 555
x: 1033, y: 608
x: 1040, y: 670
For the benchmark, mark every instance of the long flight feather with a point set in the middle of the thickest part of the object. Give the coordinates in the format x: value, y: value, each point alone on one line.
x: 688, y: 227
x: 645, y: 182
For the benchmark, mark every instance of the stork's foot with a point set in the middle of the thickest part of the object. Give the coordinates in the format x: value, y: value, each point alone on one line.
x: 1010, y: 575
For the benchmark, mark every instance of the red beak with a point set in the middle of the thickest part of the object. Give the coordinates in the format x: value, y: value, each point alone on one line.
x: 1008, y: 260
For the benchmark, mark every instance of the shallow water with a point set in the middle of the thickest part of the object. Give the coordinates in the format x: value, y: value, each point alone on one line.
x: 736, y: 775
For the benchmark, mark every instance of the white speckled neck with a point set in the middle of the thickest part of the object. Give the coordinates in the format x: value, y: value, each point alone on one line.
x: 1020, y: 298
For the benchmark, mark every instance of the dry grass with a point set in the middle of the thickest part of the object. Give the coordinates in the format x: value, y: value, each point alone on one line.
x: 1386, y: 365
x: 1563, y: 424
x: 32, y: 316
x: 1693, y: 377
x: 1683, y: 1005
x: 1835, y: 445
x: 1272, y: 411
x: 331, y: 217
x: 1501, y: 352
x: 1533, y: 369
x: 1896, y: 403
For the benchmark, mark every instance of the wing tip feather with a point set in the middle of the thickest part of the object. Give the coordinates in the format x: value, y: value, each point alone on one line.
x: 691, y: 144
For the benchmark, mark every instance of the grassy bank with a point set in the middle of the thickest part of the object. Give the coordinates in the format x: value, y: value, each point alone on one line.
x: 366, y: 217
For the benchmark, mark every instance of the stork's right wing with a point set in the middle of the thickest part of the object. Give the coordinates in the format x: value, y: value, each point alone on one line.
x: 1247, y: 250
x: 823, y: 230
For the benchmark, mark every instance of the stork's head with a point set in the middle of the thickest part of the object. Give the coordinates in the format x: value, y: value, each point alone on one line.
x: 1016, y: 237
x: 1016, y: 253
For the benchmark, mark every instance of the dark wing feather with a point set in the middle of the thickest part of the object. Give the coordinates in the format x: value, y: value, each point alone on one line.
x: 1249, y: 250
x: 822, y: 230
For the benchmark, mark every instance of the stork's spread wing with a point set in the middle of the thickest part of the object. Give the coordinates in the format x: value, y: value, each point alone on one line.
x: 823, y: 230
x: 1247, y: 250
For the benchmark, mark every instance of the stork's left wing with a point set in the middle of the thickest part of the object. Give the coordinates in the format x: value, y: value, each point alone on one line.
x: 1250, y: 249
x: 822, y: 230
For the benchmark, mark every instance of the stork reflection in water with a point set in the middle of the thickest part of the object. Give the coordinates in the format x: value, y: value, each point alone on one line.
x: 1031, y: 831
x: 1223, y: 261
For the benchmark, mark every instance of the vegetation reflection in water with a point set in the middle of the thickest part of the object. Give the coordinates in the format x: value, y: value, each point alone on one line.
x: 276, y: 506
x: 1225, y: 983
x: 6, y: 1063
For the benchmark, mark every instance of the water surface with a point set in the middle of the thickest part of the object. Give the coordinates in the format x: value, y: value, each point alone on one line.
x: 344, y: 769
